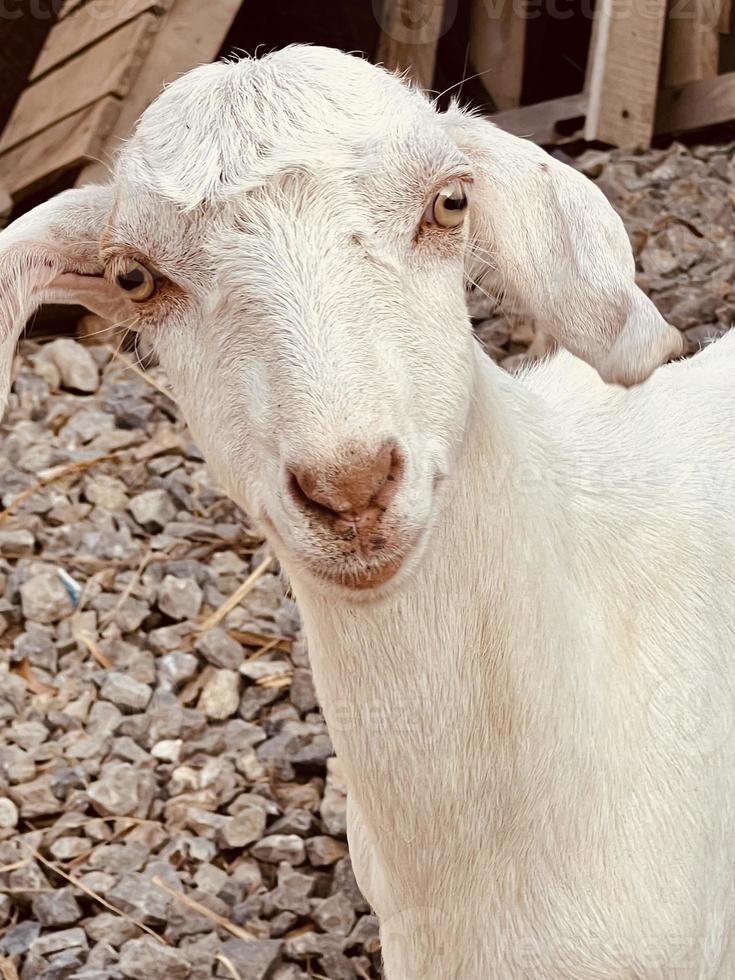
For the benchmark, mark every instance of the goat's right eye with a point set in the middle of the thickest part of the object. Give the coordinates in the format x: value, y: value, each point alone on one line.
x: 138, y: 282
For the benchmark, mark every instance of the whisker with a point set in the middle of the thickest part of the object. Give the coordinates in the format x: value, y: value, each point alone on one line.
x: 461, y: 82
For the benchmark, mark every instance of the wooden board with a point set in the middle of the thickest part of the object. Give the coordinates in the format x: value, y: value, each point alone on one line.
x: 698, y: 104
x: 22, y: 37
x: 192, y: 35
x: 68, y: 7
x: 539, y: 122
x: 109, y: 68
x: 497, y: 50
x: 692, y: 41
x: 623, y: 79
x: 409, y: 37
x: 64, y: 146
x: 87, y: 25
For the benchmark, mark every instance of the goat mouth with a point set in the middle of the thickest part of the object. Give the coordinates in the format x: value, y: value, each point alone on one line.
x: 348, y: 572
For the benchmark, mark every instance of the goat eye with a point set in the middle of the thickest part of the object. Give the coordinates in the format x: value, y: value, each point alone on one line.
x: 450, y: 206
x: 137, y: 281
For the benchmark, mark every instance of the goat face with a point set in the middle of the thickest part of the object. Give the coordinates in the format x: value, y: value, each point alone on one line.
x: 309, y: 305
x: 294, y: 234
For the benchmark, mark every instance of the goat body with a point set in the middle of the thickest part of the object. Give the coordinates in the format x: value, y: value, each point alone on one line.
x: 517, y: 592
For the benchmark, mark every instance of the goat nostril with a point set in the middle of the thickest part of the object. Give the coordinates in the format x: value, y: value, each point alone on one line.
x: 301, y: 486
x: 355, y: 489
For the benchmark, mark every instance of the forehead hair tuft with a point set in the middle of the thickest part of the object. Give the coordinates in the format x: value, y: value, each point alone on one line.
x: 226, y: 128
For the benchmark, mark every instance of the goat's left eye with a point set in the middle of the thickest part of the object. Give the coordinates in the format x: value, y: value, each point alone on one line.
x: 449, y: 206
x: 137, y: 281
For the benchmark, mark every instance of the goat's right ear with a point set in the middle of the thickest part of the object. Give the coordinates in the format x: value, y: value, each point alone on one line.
x: 52, y: 255
x: 545, y: 238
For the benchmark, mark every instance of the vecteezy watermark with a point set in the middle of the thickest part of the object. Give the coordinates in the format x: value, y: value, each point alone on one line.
x: 417, y: 942
x: 415, y: 22
x: 695, y: 710
x: 99, y: 10
x: 30, y: 9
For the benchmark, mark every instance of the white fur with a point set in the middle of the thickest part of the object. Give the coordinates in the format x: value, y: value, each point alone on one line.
x: 535, y: 713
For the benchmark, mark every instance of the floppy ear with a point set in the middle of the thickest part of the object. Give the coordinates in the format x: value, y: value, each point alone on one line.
x: 546, y: 237
x: 52, y: 255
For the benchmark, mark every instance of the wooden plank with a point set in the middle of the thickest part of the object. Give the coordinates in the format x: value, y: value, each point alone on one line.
x: 87, y: 25
x: 22, y: 36
x: 109, y: 68
x: 497, y: 50
x: 691, y: 42
x: 68, y: 7
x: 410, y: 32
x: 725, y: 17
x: 68, y: 144
x: 624, y: 73
x: 539, y: 122
x: 192, y: 34
x: 705, y: 103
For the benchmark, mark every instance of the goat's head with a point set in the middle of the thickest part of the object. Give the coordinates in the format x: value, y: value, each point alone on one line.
x: 295, y: 233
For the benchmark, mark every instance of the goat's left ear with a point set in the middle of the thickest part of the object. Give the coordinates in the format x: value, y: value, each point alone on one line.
x: 546, y: 238
x: 52, y: 255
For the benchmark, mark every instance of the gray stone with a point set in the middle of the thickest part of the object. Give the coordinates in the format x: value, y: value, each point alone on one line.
x: 292, y: 892
x: 125, y: 692
x: 289, y: 971
x: 279, y: 847
x: 219, y: 649
x: 16, y: 543
x: 28, y: 734
x: 74, y: 363
x: 252, y: 959
x: 52, y: 942
x: 106, y: 491
x: 296, y: 821
x: 153, y: 509
x: 179, y: 598
x: 366, y: 934
x: 109, y: 928
x: 344, y: 881
x: 335, y: 914
x: 19, y: 939
x: 177, y: 668
x: 138, y: 896
x: 119, y: 858
x: 146, y: 959
x: 8, y: 813
x: 122, y: 791
x: 6, y: 909
x: 220, y: 695
x: 308, y: 944
x: 333, y: 808
x: 210, y: 879
x: 303, y: 695
x: 35, y: 799
x: 337, y: 966
x: 16, y: 765
x: 244, y: 828
x: 324, y: 850
x: 57, y: 908
x: 67, y: 848
x: 45, y: 599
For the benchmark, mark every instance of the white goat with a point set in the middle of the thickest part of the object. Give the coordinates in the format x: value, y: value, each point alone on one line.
x: 516, y: 591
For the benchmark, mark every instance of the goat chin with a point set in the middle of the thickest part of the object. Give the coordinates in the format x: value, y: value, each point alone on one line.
x: 537, y: 728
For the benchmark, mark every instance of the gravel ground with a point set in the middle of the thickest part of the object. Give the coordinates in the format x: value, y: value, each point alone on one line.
x: 169, y: 803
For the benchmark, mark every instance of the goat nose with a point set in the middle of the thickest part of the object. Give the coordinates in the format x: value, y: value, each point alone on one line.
x: 357, y: 481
